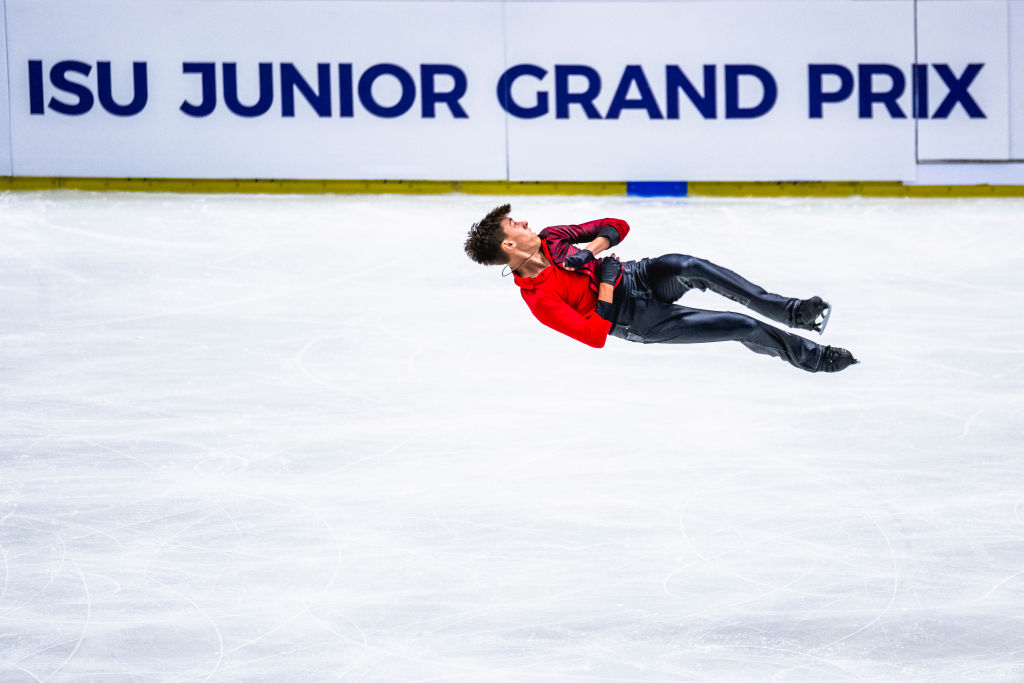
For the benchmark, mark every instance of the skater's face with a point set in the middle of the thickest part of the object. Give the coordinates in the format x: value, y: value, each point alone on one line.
x: 518, y: 235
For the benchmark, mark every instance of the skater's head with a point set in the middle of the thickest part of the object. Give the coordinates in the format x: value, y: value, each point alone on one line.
x: 483, y: 244
x: 497, y: 237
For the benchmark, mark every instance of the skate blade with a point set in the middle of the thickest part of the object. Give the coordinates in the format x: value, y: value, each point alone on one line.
x: 826, y: 313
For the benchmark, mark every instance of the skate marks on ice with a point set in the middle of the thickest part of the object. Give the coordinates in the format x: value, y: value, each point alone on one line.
x: 271, y: 437
x: 783, y: 528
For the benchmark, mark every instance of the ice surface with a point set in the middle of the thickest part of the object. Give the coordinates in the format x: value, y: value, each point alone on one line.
x: 305, y: 438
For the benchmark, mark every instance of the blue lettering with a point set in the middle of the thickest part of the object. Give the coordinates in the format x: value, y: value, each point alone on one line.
x: 35, y: 86
x: 58, y: 77
x: 266, y: 98
x: 919, y: 84
x: 733, y: 110
x: 816, y: 92
x: 208, y: 74
x: 140, y: 92
x: 319, y: 99
x: 431, y: 96
x: 868, y: 96
x: 676, y: 79
x: 406, y: 99
x: 319, y: 95
x: 958, y: 91
x: 505, y: 92
x: 633, y: 74
x: 345, y: 105
x: 563, y: 97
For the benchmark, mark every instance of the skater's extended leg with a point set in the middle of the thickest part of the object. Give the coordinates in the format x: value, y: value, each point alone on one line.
x: 673, y: 324
x: 671, y: 275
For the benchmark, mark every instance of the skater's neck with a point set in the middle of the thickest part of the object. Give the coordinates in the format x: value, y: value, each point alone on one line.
x: 527, y: 264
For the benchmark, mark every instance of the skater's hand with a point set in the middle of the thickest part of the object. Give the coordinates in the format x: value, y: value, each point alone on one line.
x: 578, y: 260
x: 610, y: 269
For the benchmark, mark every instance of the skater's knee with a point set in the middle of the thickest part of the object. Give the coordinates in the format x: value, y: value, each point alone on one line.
x: 681, y: 264
x: 745, y: 326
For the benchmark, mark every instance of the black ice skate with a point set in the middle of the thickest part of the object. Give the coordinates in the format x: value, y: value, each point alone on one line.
x: 812, y: 314
x: 835, y: 359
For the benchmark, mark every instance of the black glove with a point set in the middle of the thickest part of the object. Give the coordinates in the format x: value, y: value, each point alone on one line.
x: 610, y: 270
x: 578, y: 260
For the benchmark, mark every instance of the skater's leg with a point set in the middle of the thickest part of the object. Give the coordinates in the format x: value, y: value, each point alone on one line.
x: 673, y: 324
x: 669, y: 276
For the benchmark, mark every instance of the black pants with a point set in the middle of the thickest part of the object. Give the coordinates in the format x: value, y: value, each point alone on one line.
x: 645, y: 311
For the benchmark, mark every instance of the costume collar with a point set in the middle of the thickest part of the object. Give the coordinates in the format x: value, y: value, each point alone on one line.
x: 533, y: 282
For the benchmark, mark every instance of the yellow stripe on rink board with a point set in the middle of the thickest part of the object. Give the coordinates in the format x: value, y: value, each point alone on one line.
x: 216, y: 185
x: 849, y: 189
x: 543, y: 187
x: 501, y: 187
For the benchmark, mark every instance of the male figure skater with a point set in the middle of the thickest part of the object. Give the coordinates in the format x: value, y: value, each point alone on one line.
x: 571, y: 291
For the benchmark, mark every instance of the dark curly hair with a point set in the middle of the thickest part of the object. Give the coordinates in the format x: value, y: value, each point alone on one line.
x: 483, y: 244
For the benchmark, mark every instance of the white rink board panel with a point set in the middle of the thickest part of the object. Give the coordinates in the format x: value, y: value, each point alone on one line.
x: 783, y: 38
x: 1016, y: 18
x: 5, y: 112
x: 163, y: 141
x: 958, y: 34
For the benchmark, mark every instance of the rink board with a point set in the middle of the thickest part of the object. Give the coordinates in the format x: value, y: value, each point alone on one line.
x: 521, y: 91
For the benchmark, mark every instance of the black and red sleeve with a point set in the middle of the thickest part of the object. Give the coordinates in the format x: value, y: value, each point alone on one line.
x: 613, y: 229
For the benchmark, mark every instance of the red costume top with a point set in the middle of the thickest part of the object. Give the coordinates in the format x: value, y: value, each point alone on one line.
x: 566, y: 300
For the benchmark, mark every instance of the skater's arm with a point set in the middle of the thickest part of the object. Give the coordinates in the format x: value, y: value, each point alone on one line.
x: 609, y: 274
x: 598, y: 245
x: 603, y: 234
x: 586, y: 254
x: 611, y: 229
x: 591, y: 329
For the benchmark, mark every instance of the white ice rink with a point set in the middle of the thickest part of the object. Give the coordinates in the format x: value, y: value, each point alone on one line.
x: 305, y: 438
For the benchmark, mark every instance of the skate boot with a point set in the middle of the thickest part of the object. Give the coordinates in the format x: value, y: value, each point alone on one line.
x: 812, y: 314
x: 835, y: 359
